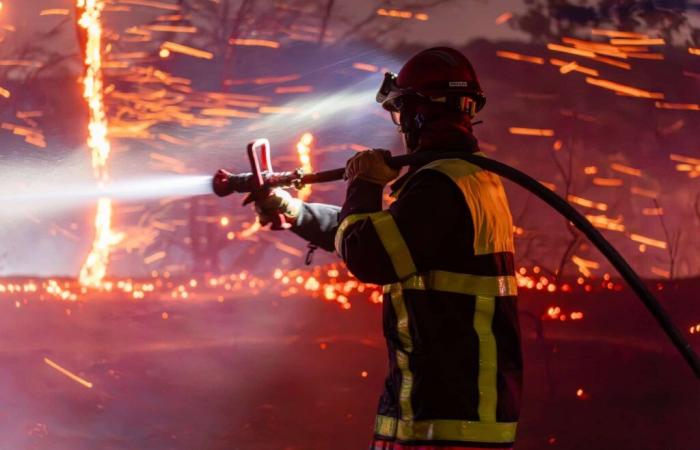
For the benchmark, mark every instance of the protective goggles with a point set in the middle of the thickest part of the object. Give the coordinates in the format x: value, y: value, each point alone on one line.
x: 391, y: 97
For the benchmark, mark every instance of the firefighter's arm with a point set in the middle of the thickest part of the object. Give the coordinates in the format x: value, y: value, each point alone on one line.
x: 377, y: 245
x: 313, y: 222
x: 317, y: 223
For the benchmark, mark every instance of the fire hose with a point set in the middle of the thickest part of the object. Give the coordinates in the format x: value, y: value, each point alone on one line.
x: 263, y: 178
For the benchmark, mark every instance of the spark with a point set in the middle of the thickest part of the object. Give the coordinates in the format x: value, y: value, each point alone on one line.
x: 660, y: 272
x: 648, y: 241
x: 684, y: 159
x: 573, y: 51
x: 152, y: 4
x: 617, y: 34
x: 254, y: 43
x: 263, y: 80
x: 69, y: 374
x: 638, y: 41
x: 694, y: 51
x: 551, y: 186
x: 566, y: 67
x: 293, y: 89
x: 607, y: 182
x: 585, y: 265
x: 623, y: 89
x: 587, y: 53
x: 644, y: 192
x: 150, y: 259
x: 171, y: 139
x: 288, y: 249
x: 587, y: 203
x: 365, y: 67
x: 186, y: 50
x: 518, y: 57
x: 653, y: 211
x: 596, y: 47
x: 228, y: 112
x: 172, y: 28
x: 398, y: 14
x: 304, y: 151
x: 606, y: 223
x: 650, y: 56
x: 503, y: 18
x: 627, y: 170
x: 20, y: 63
x: 679, y: 106
x: 545, y: 132
x: 54, y: 12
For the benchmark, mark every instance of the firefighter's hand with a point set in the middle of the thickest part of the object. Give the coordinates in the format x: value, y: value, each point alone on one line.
x: 371, y: 166
x: 278, y: 202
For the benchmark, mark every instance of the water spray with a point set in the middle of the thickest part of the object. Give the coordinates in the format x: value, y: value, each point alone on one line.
x: 262, y: 179
x: 43, y: 196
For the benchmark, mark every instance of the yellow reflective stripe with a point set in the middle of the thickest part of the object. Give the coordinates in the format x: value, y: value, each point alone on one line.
x: 462, y: 283
x: 446, y: 430
x: 393, y: 242
x: 385, y: 426
x: 390, y: 237
x: 430, y: 165
x: 488, y: 393
x: 487, y: 202
x: 349, y: 220
x: 404, y: 334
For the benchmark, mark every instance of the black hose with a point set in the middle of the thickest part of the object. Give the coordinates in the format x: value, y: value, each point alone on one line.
x: 566, y: 210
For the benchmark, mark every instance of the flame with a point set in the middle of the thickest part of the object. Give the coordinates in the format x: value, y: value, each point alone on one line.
x: 304, y: 150
x: 95, y: 266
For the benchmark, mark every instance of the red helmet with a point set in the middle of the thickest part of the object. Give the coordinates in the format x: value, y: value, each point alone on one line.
x: 439, y: 74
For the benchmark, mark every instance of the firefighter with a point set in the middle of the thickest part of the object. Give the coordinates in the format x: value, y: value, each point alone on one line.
x: 444, y: 253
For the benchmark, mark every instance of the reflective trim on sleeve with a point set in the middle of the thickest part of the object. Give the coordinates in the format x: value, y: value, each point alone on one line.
x: 390, y: 237
x: 462, y: 283
x: 394, y: 244
x: 349, y: 220
x: 446, y: 430
x: 488, y: 361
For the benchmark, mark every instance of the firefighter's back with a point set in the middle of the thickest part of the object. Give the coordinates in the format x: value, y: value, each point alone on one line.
x: 451, y: 322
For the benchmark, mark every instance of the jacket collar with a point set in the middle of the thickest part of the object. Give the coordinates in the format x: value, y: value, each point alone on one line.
x: 397, y: 185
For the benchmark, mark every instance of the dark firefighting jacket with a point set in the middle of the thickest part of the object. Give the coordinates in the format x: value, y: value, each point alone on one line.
x: 444, y: 252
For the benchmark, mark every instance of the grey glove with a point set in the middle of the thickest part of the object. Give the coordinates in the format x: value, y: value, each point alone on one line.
x: 278, y: 202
